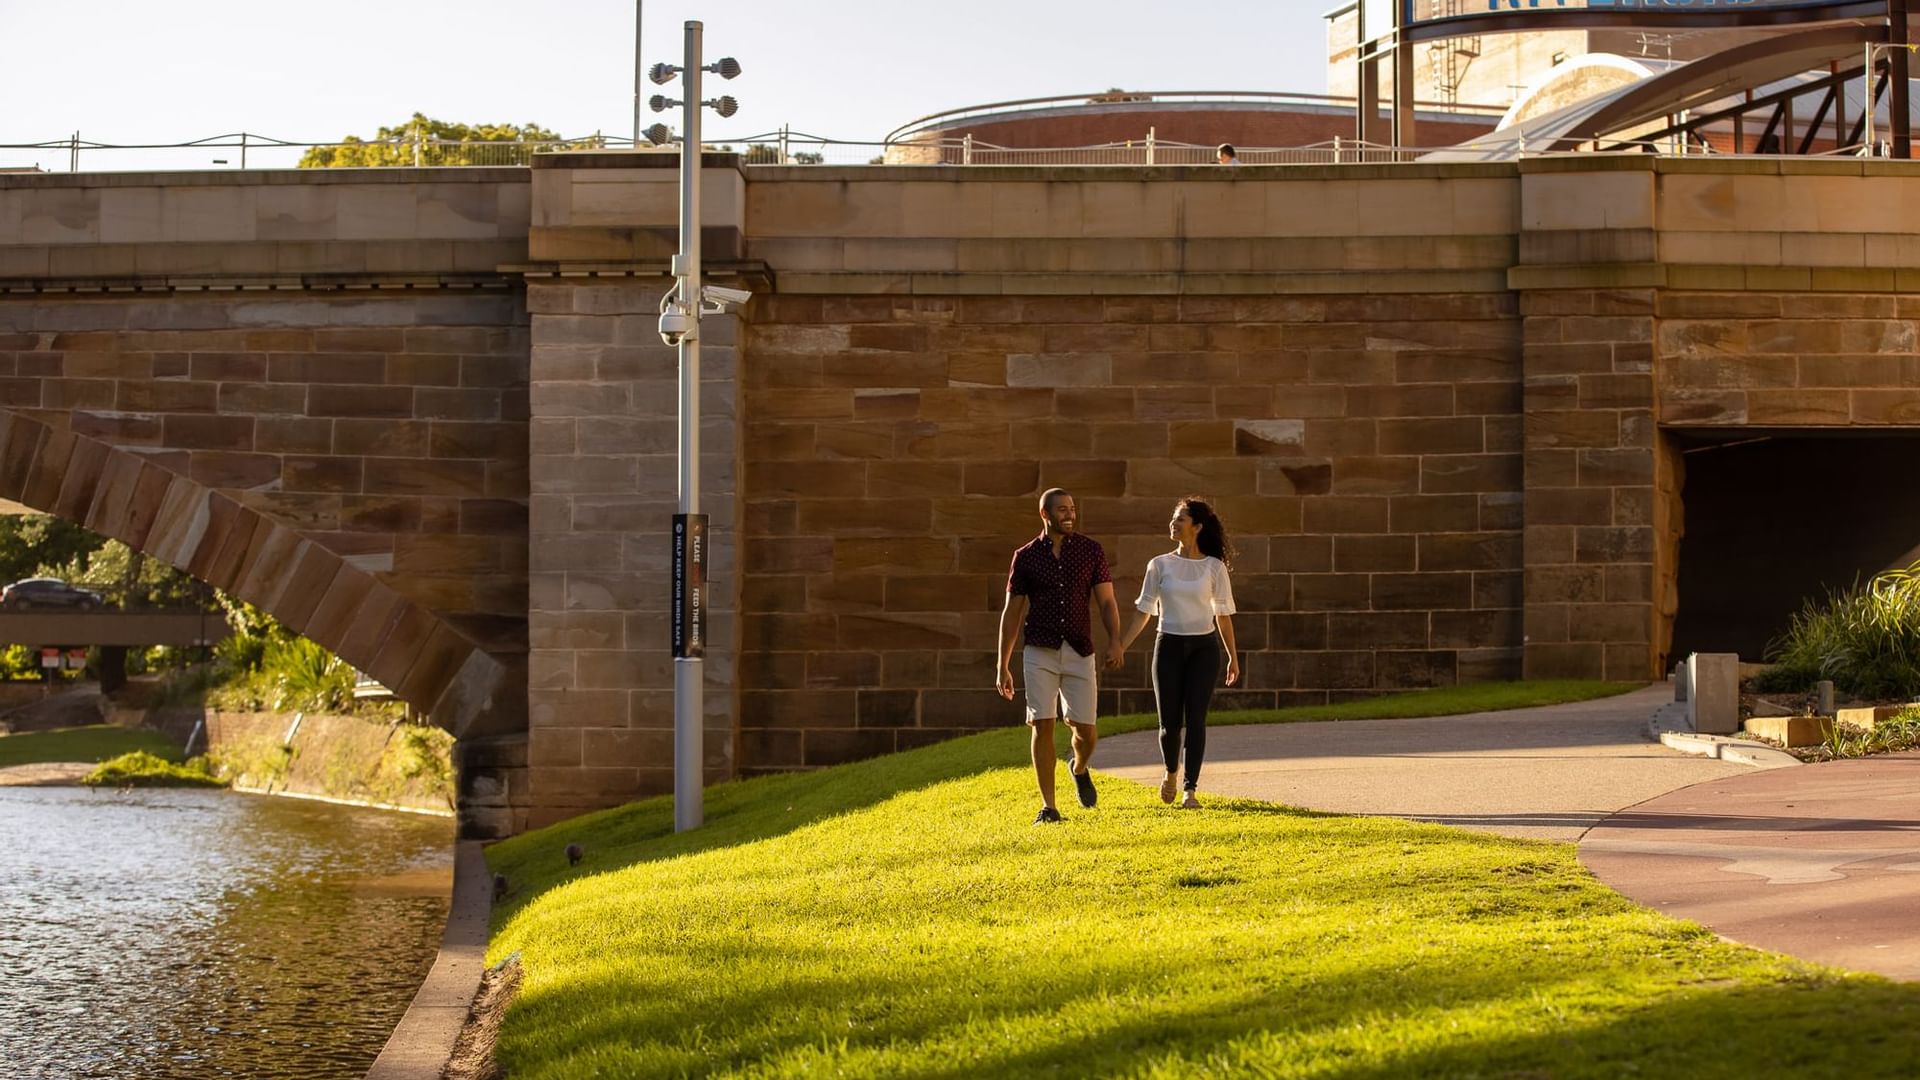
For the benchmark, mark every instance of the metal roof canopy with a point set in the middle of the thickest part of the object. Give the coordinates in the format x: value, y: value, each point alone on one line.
x: 1879, y: 20
x: 1688, y: 87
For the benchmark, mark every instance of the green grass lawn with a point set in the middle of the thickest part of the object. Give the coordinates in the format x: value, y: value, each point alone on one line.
x: 900, y: 917
x: 95, y: 743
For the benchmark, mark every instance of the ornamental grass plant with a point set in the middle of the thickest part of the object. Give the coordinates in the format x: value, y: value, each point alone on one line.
x: 1899, y: 732
x: 1866, y: 639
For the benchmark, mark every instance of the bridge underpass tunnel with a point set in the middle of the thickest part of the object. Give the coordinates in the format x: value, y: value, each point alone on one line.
x: 1775, y: 519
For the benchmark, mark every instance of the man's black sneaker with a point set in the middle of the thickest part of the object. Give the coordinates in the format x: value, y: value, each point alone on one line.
x: 1048, y: 816
x: 1083, y: 782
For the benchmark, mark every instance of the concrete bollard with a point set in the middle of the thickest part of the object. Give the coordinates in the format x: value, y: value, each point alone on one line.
x: 1713, y: 703
x: 1823, y: 691
x: 1682, y: 676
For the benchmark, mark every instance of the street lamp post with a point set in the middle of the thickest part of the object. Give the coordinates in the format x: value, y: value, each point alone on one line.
x: 639, y: 11
x: 680, y: 312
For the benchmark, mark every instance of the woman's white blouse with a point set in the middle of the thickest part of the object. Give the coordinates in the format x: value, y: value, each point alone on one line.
x: 1186, y: 593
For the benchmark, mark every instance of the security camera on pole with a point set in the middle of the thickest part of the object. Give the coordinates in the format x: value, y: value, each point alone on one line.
x: 680, y: 312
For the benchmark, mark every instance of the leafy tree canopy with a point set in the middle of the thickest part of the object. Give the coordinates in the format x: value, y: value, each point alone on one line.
x: 36, y: 545
x: 769, y: 154
x: 129, y: 579
x: 30, y: 541
x: 440, y: 143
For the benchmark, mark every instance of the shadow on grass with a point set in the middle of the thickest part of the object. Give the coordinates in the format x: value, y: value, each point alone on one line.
x: 742, y: 812
x: 1386, y: 1019
x: 1838, y: 1028
x: 1068, y: 1002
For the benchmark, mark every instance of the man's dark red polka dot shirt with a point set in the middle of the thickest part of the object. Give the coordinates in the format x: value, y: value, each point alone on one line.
x: 1057, y: 590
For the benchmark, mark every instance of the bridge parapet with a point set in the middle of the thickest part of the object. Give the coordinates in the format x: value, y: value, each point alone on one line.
x: 295, y: 229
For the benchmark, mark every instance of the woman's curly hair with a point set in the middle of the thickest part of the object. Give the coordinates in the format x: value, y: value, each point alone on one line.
x: 1213, y: 532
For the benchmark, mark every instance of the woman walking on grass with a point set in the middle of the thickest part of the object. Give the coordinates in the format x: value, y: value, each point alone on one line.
x: 1189, y: 591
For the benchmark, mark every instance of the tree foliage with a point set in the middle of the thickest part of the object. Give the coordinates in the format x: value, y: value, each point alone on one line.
x: 29, y: 542
x: 128, y: 578
x: 36, y: 545
x: 769, y: 154
x: 423, y: 140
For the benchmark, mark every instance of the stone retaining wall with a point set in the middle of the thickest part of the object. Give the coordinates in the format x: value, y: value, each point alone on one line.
x: 338, y: 757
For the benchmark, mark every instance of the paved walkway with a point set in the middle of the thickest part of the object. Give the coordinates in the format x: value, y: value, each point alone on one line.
x: 1548, y: 773
x: 1819, y: 862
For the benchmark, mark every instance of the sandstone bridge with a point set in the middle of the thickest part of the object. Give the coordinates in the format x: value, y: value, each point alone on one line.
x: 1458, y: 417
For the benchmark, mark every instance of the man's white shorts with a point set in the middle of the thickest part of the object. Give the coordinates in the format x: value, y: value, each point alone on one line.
x: 1057, y: 677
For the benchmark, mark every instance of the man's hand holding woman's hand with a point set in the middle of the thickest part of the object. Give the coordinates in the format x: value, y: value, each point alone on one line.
x: 1116, y: 656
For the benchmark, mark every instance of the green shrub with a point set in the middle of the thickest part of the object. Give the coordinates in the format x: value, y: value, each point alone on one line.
x: 292, y: 674
x: 307, y: 677
x: 423, y: 753
x: 1866, y: 639
x: 141, y: 769
x: 19, y: 662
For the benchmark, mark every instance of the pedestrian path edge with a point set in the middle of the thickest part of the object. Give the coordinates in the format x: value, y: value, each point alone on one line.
x: 423, y: 1041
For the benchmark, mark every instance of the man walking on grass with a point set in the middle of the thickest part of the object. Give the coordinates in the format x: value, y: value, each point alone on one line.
x: 1049, y: 584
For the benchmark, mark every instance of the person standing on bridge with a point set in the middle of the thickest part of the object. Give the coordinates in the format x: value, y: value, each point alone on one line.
x: 1189, y: 590
x: 1048, y: 587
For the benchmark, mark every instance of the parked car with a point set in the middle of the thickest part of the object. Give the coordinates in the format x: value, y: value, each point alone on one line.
x: 44, y: 592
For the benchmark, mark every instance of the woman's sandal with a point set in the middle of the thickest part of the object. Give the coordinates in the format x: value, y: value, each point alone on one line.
x: 1190, y: 803
x: 1167, y: 790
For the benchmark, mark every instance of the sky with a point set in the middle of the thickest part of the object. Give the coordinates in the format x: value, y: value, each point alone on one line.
x: 152, y: 72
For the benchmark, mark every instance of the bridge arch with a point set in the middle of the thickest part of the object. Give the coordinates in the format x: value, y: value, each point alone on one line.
x: 121, y: 494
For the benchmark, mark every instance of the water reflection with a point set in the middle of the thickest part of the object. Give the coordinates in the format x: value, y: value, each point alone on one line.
x: 196, y: 933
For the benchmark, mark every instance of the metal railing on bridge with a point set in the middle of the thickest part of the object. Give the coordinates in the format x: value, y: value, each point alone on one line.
x: 780, y: 147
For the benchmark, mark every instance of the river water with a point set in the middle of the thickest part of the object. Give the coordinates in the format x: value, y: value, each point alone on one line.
x: 169, y: 933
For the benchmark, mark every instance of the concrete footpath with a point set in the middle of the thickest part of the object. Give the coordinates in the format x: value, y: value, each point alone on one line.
x: 1548, y: 773
x: 1820, y: 862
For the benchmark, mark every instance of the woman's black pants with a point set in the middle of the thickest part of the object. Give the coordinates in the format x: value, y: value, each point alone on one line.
x: 1185, y: 667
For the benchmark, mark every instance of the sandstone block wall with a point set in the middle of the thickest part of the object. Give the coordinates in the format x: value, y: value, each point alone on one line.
x: 1788, y: 360
x: 603, y: 442
x: 391, y: 432
x: 1590, y: 506
x: 1364, y: 451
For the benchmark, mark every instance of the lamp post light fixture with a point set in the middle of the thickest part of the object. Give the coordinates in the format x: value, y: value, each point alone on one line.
x: 680, y: 312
